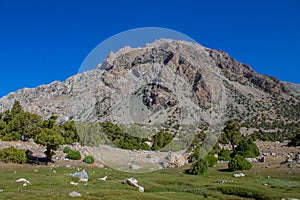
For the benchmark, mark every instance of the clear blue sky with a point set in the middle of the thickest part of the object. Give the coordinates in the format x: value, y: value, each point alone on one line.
x: 44, y: 41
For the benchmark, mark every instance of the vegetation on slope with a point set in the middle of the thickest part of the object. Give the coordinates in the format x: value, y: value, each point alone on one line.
x: 16, y: 124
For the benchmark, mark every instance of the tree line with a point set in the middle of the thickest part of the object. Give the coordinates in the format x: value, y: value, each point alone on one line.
x: 17, y: 124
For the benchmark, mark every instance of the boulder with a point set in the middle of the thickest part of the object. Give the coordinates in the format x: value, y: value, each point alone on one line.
x: 74, y: 194
x: 239, y: 175
x: 82, y: 175
x: 23, y: 180
x: 133, y: 182
x: 174, y: 160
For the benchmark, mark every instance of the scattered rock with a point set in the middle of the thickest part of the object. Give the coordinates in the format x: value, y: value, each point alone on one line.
x: 133, y: 182
x: 268, y: 177
x: 103, y: 178
x: 239, y: 175
x: 174, y: 160
x: 1, y: 190
x: 73, y: 183
x: 221, y: 181
x: 82, y: 175
x: 153, y: 158
x: 135, y: 167
x: 23, y: 180
x: 141, y: 189
x: 100, y: 165
x: 74, y: 194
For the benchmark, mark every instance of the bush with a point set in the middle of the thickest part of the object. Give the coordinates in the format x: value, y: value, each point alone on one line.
x: 67, y: 149
x: 224, y: 155
x: 12, y: 154
x: 247, y: 149
x: 74, y: 155
x: 295, y: 141
x: 239, y: 163
x: 211, y: 160
x: 88, y: 160
x: 198, y: 168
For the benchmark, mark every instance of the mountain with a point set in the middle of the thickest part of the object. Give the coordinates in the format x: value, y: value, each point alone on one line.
x: 168, y: 82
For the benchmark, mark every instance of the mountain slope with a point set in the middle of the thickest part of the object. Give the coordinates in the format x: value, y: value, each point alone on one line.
x: 168, y: 81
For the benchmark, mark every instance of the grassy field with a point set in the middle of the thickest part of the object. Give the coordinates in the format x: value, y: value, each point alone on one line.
x: 54, y: 183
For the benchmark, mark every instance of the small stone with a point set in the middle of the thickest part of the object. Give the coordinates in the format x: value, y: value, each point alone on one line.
x: 74, y: 194
x: 100, y: 165
x: 135, y: 167
x: 103, y: 178
x: 141, y: 189
x: 221, y: 181
x: 73, y: 183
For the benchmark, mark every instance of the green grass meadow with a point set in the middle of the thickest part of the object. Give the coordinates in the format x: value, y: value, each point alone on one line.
x: 54, y: 183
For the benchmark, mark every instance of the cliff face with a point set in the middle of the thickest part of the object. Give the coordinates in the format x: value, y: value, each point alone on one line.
x: 159, y: 82
x: 242, y: 73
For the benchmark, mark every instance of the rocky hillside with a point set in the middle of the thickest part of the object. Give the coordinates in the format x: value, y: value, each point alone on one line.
x: 168, y: 82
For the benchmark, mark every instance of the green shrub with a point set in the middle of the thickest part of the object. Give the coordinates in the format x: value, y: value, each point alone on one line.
x: 88, y: 160
x: 198, y: 168
x: 67, y: 149
x: 295, y: 141
x: 247, y: 149
x: 239, y: 163
x: 74, y: 155
x: 12, y: 154
x: 125, y: 140
x: 211, y: 160
x: 224, y: 155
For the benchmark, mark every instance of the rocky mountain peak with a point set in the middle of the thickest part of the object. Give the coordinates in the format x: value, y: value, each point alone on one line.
x: 243, y: 73
x: 163, y: 75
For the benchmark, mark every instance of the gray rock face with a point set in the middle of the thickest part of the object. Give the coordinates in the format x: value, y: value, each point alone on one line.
x: 243, y: 73
x: 173, y: 160
x: 165, y: 75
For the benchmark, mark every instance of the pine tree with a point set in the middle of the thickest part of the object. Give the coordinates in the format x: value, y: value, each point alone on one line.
x: 16, y: 108
x: 231, y: 133
x: 50, y: 136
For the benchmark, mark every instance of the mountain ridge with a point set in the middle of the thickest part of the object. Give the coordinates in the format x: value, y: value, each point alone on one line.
x: 250, y: 97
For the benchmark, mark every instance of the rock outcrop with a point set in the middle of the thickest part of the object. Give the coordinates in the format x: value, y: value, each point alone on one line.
x: 242, y: 73
x: 167, y: 81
